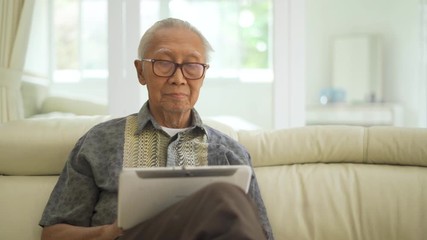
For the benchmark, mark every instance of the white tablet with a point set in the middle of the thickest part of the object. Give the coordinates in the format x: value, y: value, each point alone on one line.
x: 144, y: 192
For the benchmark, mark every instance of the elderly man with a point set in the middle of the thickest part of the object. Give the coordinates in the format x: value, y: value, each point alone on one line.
x: 167, y: 131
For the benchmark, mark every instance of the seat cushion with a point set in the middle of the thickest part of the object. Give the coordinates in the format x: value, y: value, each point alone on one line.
x: 345, y: 201
x: 22, y: 202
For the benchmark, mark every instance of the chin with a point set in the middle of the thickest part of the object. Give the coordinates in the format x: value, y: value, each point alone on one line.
x: 178, y: 108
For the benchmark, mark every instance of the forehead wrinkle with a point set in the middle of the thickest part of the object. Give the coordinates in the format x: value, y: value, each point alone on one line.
x: 163, y: 50
x: 167, y: 51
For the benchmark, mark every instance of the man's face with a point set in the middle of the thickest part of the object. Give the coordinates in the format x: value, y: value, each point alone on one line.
x: 174, y: 94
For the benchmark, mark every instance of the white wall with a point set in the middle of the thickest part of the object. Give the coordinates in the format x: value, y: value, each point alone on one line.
x: 396, y: 21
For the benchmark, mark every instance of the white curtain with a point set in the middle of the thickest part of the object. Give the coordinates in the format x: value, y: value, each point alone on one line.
x: 15, y: 25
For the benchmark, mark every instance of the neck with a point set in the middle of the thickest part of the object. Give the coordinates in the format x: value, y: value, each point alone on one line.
x: 174, y: 120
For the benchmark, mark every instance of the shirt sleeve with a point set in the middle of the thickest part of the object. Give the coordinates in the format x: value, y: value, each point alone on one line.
x: 224, y: 150
x: 75, y: 194
x: 255, y: 194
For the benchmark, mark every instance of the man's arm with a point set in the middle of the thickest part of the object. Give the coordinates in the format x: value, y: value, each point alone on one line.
x: 70, y: 232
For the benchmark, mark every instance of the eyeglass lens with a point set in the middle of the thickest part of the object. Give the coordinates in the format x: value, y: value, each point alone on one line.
x: 189, y: 70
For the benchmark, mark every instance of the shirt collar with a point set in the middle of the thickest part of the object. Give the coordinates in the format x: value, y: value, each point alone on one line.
x: 145, y: 117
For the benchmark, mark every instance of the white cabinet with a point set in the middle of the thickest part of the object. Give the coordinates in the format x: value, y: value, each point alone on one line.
x: 368, y: 114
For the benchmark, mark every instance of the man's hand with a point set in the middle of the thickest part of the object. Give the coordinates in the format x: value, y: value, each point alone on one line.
x: 70, y: 232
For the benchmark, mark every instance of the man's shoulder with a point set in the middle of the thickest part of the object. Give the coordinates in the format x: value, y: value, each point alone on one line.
x: 108, y: 129
x: 222, y: 145
x: 215, y: 136
x: 110, y: 124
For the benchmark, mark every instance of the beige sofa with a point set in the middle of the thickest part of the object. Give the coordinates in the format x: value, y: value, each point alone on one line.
x: 318, y: 182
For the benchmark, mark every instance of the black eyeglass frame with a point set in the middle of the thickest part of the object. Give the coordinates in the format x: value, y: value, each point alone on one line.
x: 177, y: 65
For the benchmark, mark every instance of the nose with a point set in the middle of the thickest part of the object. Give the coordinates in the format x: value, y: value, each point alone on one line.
x: 178, y: 77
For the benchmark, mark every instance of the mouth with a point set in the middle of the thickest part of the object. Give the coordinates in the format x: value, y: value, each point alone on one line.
x: 176, y: 95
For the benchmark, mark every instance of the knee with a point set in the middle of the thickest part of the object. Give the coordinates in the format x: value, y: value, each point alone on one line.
x: 223, y: 189
x: 224, y: 186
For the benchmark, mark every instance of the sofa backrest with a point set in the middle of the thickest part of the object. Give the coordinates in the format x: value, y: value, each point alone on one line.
x: 342, y: 182
x: 337, y: 144
x: 40, y: 146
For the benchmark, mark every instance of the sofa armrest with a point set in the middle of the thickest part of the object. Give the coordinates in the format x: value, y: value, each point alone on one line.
x: 73, y: 106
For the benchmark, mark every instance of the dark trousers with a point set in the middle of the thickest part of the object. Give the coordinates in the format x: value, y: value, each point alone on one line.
x: 218, y: 211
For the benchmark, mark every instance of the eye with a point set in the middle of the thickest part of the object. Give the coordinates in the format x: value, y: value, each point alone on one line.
x: 164, y: 64
x: 163, y: 68
x: 193, y: 67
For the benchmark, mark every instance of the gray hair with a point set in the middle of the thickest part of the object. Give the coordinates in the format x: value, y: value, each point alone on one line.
x: 170, y: 23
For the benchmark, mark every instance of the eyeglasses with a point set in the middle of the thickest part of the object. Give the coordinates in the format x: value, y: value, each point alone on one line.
x: 190, y: 70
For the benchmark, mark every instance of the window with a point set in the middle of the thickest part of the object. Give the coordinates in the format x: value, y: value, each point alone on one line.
x: 238, y: 30
x: 93, y: 44
x: 79, y: 55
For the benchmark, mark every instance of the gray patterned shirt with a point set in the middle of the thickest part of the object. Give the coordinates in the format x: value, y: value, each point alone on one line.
x: 86, y: 191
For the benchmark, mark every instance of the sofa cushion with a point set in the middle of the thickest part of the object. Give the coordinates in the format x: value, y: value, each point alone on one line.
x: 22, y: 201
x: 345, y: 201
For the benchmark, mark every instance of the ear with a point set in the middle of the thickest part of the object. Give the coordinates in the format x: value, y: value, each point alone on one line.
x: 139, y: 71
